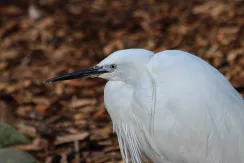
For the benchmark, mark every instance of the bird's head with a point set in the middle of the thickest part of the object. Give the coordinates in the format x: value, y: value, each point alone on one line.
x: 120, y: 65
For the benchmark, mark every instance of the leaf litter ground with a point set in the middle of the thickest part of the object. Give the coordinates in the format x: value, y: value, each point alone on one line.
x: 67, y: 121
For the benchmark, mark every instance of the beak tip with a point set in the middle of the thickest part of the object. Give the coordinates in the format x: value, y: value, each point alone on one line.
x: 47, y: 81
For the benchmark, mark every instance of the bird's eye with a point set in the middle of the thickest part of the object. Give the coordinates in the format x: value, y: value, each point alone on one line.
x: 113, y: 66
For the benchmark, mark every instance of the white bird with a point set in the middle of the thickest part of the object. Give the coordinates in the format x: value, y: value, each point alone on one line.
x: 171, y: 107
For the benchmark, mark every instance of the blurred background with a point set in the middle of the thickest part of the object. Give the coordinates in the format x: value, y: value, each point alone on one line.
x: 67, y: 122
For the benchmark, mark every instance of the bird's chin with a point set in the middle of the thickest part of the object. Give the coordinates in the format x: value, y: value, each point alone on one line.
x: 106, y: 76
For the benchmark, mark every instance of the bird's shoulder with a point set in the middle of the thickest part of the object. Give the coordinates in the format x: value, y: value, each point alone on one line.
x: 169, y: 58
x: 174, y: 61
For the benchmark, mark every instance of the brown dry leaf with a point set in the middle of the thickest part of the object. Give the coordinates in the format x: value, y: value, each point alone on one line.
x: 41, y: 100
x: 59, y: 89
x: 111, y: 148
x: 227, y: 35
x: 45, y: 23
x: 213, y: 8
x: 103, y: 132
x: 9, y: 54
x: 12, y: 88
x: 100, y: 114
x: 71, y: 138
x: 3, y: 65
x: 24, y: 111
x: 2, y: 85
x: 41, y: 109
x: 8, y: 27
x: 31, y: 35
x: 25, y: 129
x: 79, y: 116
x: 233, y: 54
x: 74, y: 9
x: 238, y: 81
x: 113, y: 46
x: 62, y: 51
x: 241, y: 62
x: 84, y: 83
x: 10, y: 11
x: 88, y: 92
x: 76, y: 103
x: 7, y: 107
x: 37, y: 145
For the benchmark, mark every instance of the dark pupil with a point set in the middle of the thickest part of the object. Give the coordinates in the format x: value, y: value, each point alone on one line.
x: 112, y: 66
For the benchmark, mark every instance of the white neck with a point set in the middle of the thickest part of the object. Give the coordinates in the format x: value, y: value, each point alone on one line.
x: 122, y: 102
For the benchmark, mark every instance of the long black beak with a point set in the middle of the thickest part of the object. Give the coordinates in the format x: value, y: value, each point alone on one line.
x: 90, y: 72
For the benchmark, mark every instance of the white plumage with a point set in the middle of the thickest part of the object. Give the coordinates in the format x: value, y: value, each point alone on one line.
x: 171, y: 107
x: 195, y: 113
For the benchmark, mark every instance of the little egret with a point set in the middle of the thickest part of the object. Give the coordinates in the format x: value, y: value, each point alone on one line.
x: 171, y: 107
